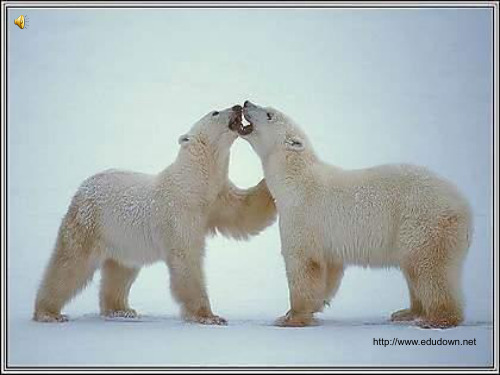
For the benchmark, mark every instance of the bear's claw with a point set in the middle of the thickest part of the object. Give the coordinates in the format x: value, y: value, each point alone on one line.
x: 296, y: 320
x: 404, y: 315
x: 208, y: 320
x: 128, y: 314
x: 438, y: 323
x: 46, y: 317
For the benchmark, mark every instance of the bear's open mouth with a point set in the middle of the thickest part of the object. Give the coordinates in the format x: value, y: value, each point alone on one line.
x: 245, y: 129
x: 236, y: 124
x: 248, y: 128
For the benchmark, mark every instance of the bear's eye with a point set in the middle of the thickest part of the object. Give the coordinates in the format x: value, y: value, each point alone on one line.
x: 269, y: 116
x: 215, y: 113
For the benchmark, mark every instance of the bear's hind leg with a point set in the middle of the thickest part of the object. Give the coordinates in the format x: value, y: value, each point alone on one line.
x: 71, y: 267
x: 116, y: 281
x: 442, y: 307
x: 436, y: 267
x: 438, y: 288
x: 415, y: 310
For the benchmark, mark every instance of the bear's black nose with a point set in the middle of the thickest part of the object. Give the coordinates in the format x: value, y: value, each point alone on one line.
x: 237, y: 108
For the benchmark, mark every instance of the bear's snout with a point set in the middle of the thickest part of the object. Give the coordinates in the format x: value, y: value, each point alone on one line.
x: 248, y: 104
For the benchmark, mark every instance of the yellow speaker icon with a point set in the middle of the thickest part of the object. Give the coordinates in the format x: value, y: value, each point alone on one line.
x: 19, y: 21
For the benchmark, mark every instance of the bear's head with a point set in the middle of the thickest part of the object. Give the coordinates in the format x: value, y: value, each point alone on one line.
x: 270, y: 131
x: 215, y: 129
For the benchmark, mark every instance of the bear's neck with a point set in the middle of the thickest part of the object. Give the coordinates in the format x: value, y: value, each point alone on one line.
x: 200, y: 170
x: 289, y: 176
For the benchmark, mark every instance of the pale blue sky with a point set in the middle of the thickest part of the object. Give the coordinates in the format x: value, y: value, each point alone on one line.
x: 93, y: 89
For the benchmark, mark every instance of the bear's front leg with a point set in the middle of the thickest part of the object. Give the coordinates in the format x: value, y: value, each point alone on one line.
x: 188, y: 285
x: 306, y: 283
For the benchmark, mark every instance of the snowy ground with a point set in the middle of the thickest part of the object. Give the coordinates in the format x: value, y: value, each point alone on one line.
x: 167, y: 341
x: 247, y: 285
x: 369, y: 88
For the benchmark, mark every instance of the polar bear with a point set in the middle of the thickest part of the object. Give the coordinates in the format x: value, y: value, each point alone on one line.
x: 119, y: 221
x: 387, y: 216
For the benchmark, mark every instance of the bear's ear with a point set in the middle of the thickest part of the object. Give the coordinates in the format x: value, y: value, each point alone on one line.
x: 294, y: 144
x: 184, y: 139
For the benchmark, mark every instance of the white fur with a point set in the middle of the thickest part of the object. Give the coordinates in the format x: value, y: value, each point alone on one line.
x: 121, y: 221
x: 393, y: 215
